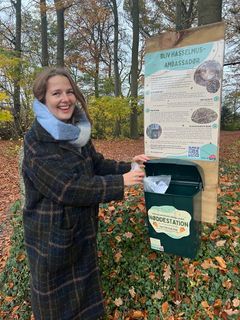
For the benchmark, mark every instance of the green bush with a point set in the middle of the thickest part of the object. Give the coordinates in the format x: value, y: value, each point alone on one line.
x: 234, y: 125
x: 111, y: 117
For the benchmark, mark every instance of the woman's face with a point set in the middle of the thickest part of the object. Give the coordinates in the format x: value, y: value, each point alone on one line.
x: 60, y: 98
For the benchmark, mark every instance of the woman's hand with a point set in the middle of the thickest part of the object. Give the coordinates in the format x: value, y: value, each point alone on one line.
x: 133, y: 177
x: 140, y: 158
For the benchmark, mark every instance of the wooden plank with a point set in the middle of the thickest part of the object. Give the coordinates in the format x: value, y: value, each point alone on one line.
x: 178, y: 39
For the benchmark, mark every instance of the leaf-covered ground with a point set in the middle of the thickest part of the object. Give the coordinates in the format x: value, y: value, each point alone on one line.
x: 143, y: 286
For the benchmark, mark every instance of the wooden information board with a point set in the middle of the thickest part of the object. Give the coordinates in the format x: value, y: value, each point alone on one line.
x: 182, y: 99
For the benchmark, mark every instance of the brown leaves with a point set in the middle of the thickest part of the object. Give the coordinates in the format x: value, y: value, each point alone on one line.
x: 157, y: 295
x: 128, y: 235
x: 165, y: 307
x: 220, y: 243
x: 137, y: 314
x: 151, y: 275
x: 214, y: 234
x: 152, y: 256
x: 227, y: 284
x: 120, y: 149
x: 118, y: 256
x: 167, y: 273
x: 208, y: 263
x: 21, y: 257
x: 217, y: 309
x: 118, y: 302
x: 132, y: 292
x: 221, y: 262
x: 9, y: 193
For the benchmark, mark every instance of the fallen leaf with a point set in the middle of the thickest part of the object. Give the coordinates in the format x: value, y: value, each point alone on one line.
x: 165, y: 307
x: 177, y: 302
x: 167, y: 273
x: 128, y: 235
x: 157, y: 295
x: 208, y: 263
x: 116, y: 315
x: 220, y: 243
x: 143, y: 300
x: 214, y: 235
x: 236, y: 229
x: 236, y: 302
x: 235, y: 270
x: 205, y: 304
x: 118, y: 256
x: 141, y: 207
x: 8, y: 298
x: 191, y: 270
x: 137, y: 314
x: 119, y: 220
x: 224, y: 229
x: 132, y: 292
x: 110, y: 228
x: 227, y: 284
x: 118, y: 238
x: 14, y: 309
x: 118, y: 302
x: 233, y: 219
x: 231, y: 312
x: 113, y: 274
x: 221, y: 262
x: 21, y: 257
x: 152, y: 256
x: 228, y: 212
x: 217, y: 303
x: 151, y: 275
x: 235, y: 243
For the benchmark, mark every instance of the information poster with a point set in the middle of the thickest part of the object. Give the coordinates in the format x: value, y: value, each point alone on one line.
x: 182, y: 101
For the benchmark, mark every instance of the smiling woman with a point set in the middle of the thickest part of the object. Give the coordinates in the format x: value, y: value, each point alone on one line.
x: 60, y: 98
x: 65, y: 180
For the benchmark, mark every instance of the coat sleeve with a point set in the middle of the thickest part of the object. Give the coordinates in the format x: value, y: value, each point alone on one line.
x: 104, y: 166
x: 55, y: 179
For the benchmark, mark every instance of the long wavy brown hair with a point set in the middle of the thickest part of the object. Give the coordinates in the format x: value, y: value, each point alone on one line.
x: 41, y: 81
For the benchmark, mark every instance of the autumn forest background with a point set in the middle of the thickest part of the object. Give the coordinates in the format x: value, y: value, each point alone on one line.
x: 102, y: 43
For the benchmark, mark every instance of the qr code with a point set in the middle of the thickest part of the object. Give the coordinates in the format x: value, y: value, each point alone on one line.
x: 193, y: 152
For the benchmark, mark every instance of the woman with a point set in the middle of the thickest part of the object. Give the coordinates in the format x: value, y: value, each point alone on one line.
x: 65, y: 180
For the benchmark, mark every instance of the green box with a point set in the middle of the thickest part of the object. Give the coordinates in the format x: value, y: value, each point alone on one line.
x: 174, y: 217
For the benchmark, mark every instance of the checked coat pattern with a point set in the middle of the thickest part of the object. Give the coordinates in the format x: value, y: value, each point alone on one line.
x: 64, y: 187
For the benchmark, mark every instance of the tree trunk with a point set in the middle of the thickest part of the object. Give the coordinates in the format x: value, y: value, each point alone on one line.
x: 60, y: 32
x: 117, y: 80
x: 183, y: 15
x: 134, y: 71
x: 17, y: 78
x: 209, y: 11
x: 96, y: 78
x: 44, y: 36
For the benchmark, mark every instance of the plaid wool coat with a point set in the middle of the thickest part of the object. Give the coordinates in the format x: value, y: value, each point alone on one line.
x: 63, y: 189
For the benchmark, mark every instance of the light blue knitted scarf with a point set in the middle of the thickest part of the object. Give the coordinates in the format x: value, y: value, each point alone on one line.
x: 77, y: 133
